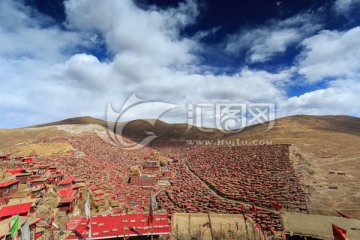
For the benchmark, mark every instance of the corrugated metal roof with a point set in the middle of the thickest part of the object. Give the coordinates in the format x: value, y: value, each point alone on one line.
x: 10, y: 210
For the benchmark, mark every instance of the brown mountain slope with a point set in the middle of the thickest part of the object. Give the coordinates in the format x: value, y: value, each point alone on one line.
x: 324, y: 136
x: 136, y: 130
x: 75, y: 120
x: 326, y: 152
x: 23, y: 136
x: 133, y: 130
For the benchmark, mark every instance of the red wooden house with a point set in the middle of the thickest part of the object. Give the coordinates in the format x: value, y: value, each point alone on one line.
x: 153, y: 165
x: 66, y: 204
x: 39, y: 181
x: 7, y: 211
x: 168, y: 174
x: 37, y: 192
x: 67, y: 192
x: 52, y: 169
x: 55, y: 178
x: 28, y: 159
x: 98, y: 193
x: 143, y: 180
x: 23, y: 178
x: 9, y: 187
x: 66, y: 182
x: 21, y: 164
x: 39, y: 170
x: 16, y: 171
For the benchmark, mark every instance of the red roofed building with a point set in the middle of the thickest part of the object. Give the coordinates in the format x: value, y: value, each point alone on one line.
x: 32, y: 177
x: 118, y: 226
x: 66, y: 182
x: 38, y: 191
x: 17, y: 158
x: 9, y: 187
x: 39, y: 181
x: 66, y: 204
x: 22, y: 209
x: 27, y: 159
x: 38, y: 169
x: 23, y: 177
x: 144, y: 180
x: 98, y: 193
x: 168, y: 174
x: 52, y: 169
x: 21, y: 165
x: 16, y: 171
x: 94, y: 187
x: 67, y: 192
x: 151, y: 165
x: 55, y: 178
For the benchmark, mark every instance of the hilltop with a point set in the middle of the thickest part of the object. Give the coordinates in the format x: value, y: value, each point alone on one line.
x: 136, y: 129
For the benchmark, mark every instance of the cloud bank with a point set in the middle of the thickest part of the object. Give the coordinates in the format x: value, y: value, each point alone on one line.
x: 49, y: 72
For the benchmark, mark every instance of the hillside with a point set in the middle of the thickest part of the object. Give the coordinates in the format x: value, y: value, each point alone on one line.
x: 325, y: 151
x: 323, y: 136
x: 136, y: 130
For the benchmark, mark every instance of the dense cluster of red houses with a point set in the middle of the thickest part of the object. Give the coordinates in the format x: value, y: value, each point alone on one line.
x: 189, y: 194
x: 254, y: 180
x: 122, y: 175
x: 261, y: 175
x: 45, y: 172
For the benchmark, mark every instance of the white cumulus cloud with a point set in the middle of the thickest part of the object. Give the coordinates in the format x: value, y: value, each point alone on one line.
x: 344, y: 6
x: 264, y: 42
x: 331, y: 54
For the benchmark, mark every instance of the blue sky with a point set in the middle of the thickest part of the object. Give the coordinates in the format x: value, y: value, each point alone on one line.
x: 61, y: 59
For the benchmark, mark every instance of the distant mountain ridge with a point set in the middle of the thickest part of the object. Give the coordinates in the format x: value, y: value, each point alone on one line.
x: 137, y: 129
x: 319, y: 132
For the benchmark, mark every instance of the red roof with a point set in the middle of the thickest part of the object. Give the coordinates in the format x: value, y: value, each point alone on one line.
x: 94, y: 187
x: 67, y: 192
x: 66, y: 181
x: 16, y: 170
x: 21, y: 209
x: 73, y: 222
x: 67, y: 200
x: 8, y: 183
x: 117, y: 225
x: 28, y: 159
